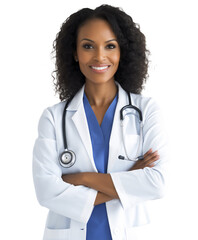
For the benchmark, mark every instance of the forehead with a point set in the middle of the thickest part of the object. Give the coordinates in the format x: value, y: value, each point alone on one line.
x: 96, y: 29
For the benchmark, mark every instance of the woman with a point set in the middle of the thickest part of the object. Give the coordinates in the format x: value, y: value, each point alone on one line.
x: 117, y: 165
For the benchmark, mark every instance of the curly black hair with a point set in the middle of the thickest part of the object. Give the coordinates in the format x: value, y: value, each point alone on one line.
x: 133, y: 66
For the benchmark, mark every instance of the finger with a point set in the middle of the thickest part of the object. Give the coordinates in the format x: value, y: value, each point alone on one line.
x: 151, y: 165
x: 151, y: 159
x: 148, y: 152
x: 151, y: 155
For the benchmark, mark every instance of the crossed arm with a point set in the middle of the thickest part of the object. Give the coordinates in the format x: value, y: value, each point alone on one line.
x: 103, y: 183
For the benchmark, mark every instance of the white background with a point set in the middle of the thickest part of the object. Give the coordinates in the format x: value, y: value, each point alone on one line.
x: 28, y: 29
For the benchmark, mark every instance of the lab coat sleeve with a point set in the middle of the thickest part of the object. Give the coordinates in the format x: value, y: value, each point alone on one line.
x: 75, y: 202
x: 140, y: 185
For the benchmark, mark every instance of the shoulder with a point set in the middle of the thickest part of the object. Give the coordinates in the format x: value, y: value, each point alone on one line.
x: 142, y: 101
x: 148, y: 105
x: 145, y: 103
x: 50, y: 116
x: 55, y: 110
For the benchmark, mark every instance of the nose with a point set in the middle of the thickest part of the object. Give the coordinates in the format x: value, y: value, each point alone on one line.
x: 100, y: 54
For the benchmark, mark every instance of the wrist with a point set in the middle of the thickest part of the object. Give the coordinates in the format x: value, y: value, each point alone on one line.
x: 87, y: 178
x: 83, y: 178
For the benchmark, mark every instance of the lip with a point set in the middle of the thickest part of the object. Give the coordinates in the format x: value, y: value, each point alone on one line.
x: 101, y: 68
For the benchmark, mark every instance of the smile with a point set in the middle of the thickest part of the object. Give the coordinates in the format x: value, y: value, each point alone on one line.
x: 100, y: 69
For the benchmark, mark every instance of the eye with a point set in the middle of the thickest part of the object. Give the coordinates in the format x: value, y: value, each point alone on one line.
x: 111, y: 46
x: 87, y: 46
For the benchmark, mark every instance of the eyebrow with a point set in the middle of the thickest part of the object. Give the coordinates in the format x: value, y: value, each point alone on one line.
x: 87, y: 39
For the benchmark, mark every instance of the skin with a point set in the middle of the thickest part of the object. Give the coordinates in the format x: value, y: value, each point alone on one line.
x: 103, y: 183
x: 97, y: 48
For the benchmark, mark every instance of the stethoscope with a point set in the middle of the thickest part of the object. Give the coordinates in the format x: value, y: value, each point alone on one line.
x: 68, y: 158
x: 140, y: 118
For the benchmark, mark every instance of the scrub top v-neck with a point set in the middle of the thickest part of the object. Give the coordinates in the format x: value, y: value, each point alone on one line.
x: 98, y: 225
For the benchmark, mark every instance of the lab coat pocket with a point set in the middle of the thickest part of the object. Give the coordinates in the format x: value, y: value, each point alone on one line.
x: 137, y: 215
x: 138, y: 233
x: 56, y: 234
x: 137, y: 222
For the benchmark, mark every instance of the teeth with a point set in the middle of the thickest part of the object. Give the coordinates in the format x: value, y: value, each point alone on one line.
x: 99, y: 68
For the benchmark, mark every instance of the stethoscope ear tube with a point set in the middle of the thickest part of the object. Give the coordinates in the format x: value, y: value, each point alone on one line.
x: 135, y: 159
x: 130, y: 106
x: 67, y: 158
x: 141, y: 131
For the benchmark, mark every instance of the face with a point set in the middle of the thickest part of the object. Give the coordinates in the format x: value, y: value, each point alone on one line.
x: 98, y: 51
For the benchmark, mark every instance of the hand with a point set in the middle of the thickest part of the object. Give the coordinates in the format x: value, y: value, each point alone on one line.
x: 101, y: 182
x: 148, y: 160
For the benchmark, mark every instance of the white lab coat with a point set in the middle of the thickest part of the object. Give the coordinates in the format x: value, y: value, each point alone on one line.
x: 70, y: 206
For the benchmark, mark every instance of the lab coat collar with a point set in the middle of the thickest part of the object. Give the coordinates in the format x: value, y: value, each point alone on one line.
x: 80, y: 121
x: 78, y: 99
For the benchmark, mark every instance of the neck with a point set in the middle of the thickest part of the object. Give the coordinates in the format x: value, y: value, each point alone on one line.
x: 100, y: 94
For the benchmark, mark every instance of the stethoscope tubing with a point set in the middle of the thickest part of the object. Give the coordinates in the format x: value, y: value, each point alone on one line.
x: 66, y: 162
x: 64, y: 125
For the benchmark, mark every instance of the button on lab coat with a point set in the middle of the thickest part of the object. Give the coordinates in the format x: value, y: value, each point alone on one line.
x: 70, y: 206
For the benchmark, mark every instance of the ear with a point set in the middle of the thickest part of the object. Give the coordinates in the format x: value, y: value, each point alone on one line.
x: 76, y: 57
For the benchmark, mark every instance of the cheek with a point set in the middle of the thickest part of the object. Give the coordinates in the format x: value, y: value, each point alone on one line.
x: 82, y: 58
x: 83, y: 68
x: 116, y: 58
x: 83, y: 61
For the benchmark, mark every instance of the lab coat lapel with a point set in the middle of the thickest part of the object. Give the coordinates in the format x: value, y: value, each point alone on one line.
x: 116, y: 133
x: 80, y: 122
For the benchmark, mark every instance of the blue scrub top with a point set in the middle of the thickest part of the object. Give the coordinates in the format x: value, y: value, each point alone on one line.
x: 98, y: 225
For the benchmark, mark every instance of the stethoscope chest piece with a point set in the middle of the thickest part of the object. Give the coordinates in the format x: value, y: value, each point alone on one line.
x: 67, y: 158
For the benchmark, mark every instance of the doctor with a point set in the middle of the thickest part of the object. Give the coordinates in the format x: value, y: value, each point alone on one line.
x: 100, y: 56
